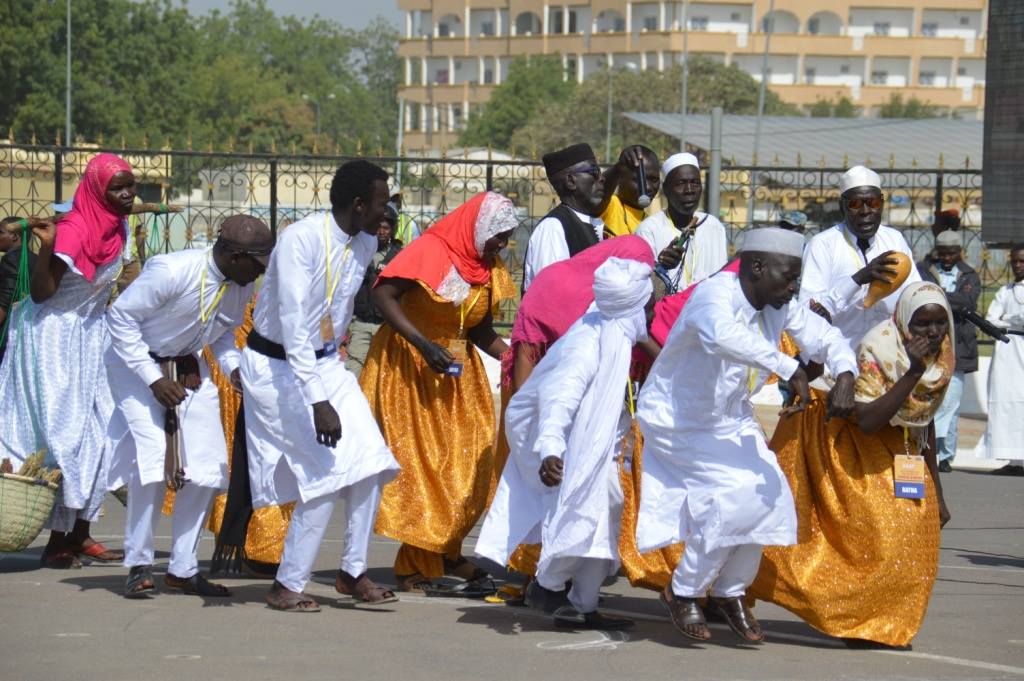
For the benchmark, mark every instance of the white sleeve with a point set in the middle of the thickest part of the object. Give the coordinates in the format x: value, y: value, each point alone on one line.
x: 561, y: 392
x: 816, y: 279
x: 295, y: 260
x: 547, y: 246
x: 645, y: 230
x: 720, y: 334
x: 147, y: 295
x: 997, y: 308
x: 819, y: 341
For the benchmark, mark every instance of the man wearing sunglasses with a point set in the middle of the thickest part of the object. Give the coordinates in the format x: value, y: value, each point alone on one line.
x: 842, y: 261
x: 574, y: 224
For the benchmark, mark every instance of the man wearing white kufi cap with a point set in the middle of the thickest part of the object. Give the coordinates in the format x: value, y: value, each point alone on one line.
x: 709, y: 478
x: 564, y: 421
x: 690, y: 245
x: 842, y: 261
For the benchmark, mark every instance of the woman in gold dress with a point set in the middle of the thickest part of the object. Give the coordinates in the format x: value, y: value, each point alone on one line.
x: 866, y: 560
x: 428, y: 390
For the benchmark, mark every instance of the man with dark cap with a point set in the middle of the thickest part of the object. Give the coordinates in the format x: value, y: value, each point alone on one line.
x: 573, y: 225
x: 946, y: 267
x: 167, y: 426
x: 366, y: 318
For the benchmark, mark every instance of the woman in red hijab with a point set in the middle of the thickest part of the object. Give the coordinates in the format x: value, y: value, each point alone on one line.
x: 428, y: 390
x: 53, y: 381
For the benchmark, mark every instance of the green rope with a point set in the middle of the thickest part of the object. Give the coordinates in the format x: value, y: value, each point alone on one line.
x: 153, y: 244
x: 22, y: 283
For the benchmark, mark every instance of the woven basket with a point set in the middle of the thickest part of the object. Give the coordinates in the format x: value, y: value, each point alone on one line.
x: 25, y: 505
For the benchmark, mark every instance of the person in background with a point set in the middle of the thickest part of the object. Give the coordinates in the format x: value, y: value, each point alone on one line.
x: 406, y: 229
x: 793, y: 220
x: 946, y: 267
x: 1004, y: 436
x: 10, y: 245
x: 366, y: 317
x: 621, y: 209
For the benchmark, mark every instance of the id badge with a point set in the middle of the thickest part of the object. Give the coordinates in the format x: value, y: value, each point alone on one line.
x: 327, y: 334
x: 908, y: 475
x: 457, y: 349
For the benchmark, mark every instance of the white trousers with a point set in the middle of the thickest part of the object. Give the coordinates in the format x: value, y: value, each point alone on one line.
x: 727, y: 571
x: 587, y: 576
x: 309, y: 523
x: 144, y: 503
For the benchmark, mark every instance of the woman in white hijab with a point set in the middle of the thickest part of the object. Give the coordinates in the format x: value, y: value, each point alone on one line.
x: 565, y: 421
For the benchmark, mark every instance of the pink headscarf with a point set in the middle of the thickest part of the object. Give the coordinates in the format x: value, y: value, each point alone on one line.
x: 562, y: 292
x: 93, y: 234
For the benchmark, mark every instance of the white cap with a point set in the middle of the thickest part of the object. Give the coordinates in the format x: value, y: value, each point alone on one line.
x: 948, y: 238
x: 676, y: 160
x: 859, y: 176
x: 774, y: 240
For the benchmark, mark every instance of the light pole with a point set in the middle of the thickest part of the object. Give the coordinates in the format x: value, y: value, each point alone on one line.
x: 67, y: 90
x: 316, y: 107
x: 686, y: 76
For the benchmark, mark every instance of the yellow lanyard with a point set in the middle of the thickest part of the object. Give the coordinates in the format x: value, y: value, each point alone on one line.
x: 631, y: 401
x: 906, y: 440
x: 462, y: 310
x: 333, y: 285
x: 752, y: 372
x: 205, y: 312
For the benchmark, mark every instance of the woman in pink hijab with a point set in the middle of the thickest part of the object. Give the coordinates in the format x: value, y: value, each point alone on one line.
x: 53, y: 382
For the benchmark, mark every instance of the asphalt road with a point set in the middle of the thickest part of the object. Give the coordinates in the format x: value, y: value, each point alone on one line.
x: 59, y: 625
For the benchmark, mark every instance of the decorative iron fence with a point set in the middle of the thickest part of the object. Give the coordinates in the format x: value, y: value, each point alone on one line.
x: 282, y: 188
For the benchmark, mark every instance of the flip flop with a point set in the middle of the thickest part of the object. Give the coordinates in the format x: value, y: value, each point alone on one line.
x: 470, y: 589
x: 99, y: 553
x: 64, y: 559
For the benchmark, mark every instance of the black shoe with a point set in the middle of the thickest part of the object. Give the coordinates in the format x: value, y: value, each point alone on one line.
x: 1013, y: 469
x: 568, y: 617
x: 945, y: 466
x: 545, y: 600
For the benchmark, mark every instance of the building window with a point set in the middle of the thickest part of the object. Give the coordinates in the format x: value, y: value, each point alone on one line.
x: 443, y: 31
x: 442, y: 77
x: 809, y: 74
x: 620, y: 24
x: 879, y: 77
x: 965, y: 21
x: 735, y: 16
x: 882, y: 28
x: 488, y: 76
x: 844, y: 69
x: 699, y: 24
x: 487, y: 28
x: 961, y: 70
x: 929, y: 30
x: 813, y: 25
x: 456, y: 116
x: 927, y: 78
x: 650, y: 23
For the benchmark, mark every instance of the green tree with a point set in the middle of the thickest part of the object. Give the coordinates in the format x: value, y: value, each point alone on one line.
x: 821, y: 108
x: 583, y: 117
x: 845, y: 108
x: 911, y: 108
x: 826, y: 108
x: 531, y: 86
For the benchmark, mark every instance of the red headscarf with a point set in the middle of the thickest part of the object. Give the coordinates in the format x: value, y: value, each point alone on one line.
x: 562, y: 292
x: 93, y: 234
x: 455, y: 241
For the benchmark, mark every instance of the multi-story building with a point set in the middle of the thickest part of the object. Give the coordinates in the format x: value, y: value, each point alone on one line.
x: 456, y: 51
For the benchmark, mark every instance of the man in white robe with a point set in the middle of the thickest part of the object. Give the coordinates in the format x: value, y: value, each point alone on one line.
x: 1004, y: 435
x: 841, y: 262
x: 309, y: 430
x: 709, y: 478
x: 564, y: 420
x: 690, y: 245
x: 180, y: 303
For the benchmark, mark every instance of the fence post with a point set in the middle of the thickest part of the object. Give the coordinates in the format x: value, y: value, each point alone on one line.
x: 273, y: 197
x: 58, y: 175
x: 938, y: 191
x: 490, y: 177
x: 714, y: 196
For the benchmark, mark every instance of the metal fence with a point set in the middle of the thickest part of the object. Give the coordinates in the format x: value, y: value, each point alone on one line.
x: 281, y: 188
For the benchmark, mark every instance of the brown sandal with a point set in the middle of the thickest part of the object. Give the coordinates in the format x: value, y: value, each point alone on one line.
x: 414, y: 583
x: 62, y: 559
x: 685, y: 612
x: 738, y: 616
x: 280, y: 598
x: 362, y: 589
x: 196, y: 585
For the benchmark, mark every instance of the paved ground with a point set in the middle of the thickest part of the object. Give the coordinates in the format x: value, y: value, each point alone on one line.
x: 59, y: 625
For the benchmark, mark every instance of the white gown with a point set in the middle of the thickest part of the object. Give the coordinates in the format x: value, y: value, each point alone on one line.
x: 1004, y: 435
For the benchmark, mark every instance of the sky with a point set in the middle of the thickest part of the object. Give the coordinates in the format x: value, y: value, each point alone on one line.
x: 351, y: 13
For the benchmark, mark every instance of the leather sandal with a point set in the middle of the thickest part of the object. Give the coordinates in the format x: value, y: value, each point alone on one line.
x: 738, y: 616
x: 140, y: 582
x: 280, y: 598
x: 362, y: 589
x: 99, y: 553
x: 196, y: 585
x: 414, y: 583
x: 685, y: 612
x: 568, y: 617
x: 63, y: 559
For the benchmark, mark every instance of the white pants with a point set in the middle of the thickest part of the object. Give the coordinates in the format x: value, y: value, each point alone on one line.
x: 190, y: 507
x: 587, y: 576
x: 727, y: 571
x: 309, y: 523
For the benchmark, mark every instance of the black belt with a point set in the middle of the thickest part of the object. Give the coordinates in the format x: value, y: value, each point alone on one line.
x: 160, y: 360
x: 269, y: 348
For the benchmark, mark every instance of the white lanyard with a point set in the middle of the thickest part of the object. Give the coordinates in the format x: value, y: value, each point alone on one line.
x: 333, y: 285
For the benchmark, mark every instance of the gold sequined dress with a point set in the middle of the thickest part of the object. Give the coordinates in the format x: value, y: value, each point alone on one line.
x: 865, y: 561
x: 440, y: 428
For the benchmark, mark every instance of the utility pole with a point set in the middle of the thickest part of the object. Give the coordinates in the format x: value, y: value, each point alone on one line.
x: 67, y: 89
